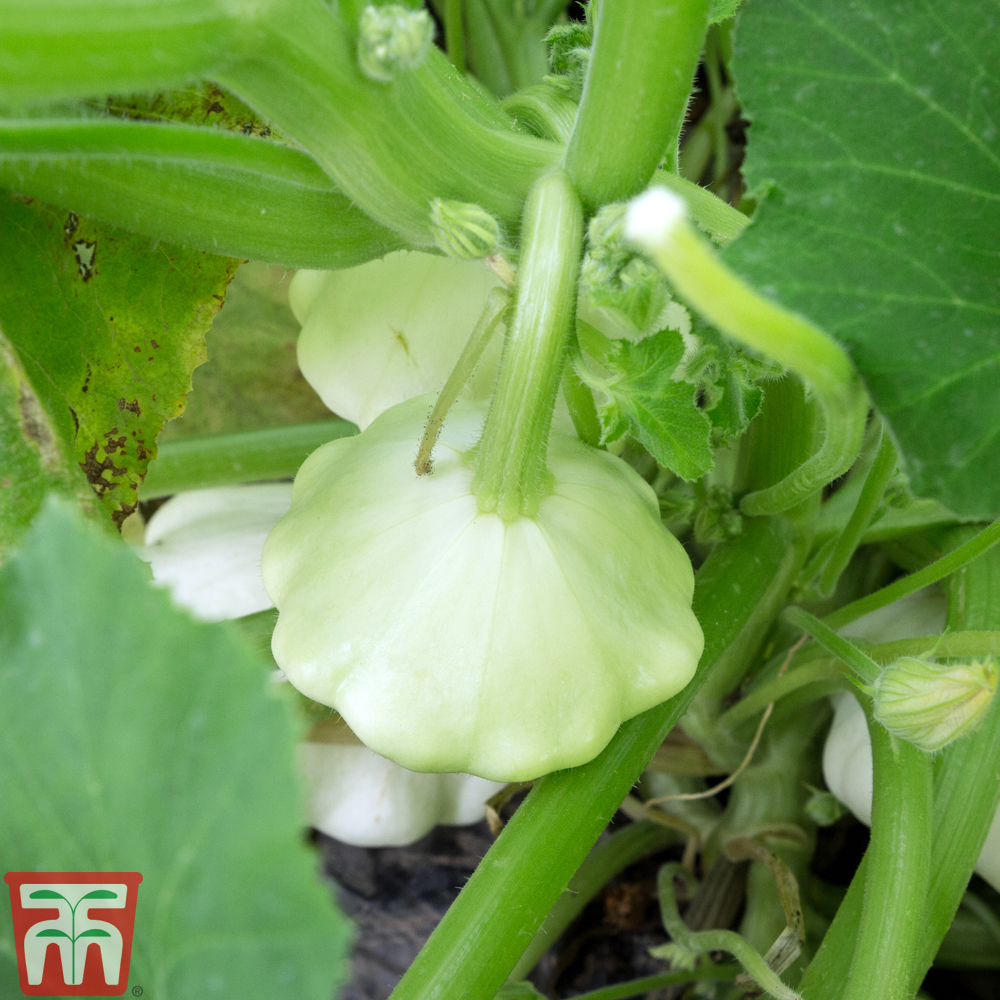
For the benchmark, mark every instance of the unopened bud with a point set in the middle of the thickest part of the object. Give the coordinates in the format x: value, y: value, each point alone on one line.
x: 463, y: 229
x: 931, y: 704
x: 392, y: 38
x: 824, y: 808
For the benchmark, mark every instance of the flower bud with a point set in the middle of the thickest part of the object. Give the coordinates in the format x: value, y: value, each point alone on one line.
x: 932, y: 704
x: 824, y: 808
x: 464, y: 230
x: 392, y: 38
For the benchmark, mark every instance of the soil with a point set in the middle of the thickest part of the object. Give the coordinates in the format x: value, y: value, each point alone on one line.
x: 397, y: 895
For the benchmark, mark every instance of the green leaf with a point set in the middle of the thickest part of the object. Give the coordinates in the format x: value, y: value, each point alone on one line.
x: 51, y: 931
x: 876, y: 125
x: 646, y: 401
x: 252, y: 379
x: 138, y: 740
x: 93, y: 932
x: 46, y: 894
x: 101, y: 894
x: 727, y: 381
x: 722, y: 9
x: 106, y: 329
x: 33, y: 460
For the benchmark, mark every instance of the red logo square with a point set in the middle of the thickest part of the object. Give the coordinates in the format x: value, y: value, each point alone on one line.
x: 73, y: 931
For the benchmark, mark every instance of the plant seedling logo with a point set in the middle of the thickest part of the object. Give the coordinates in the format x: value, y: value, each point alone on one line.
x: 73, y: 931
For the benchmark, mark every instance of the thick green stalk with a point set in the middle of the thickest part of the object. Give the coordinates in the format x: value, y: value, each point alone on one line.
x: 391, y: 145
x: 605, y: 861
x: 454, y: 33
x: 205, y: 188
x: 898, y: 871
x: 242, y: 457
x: 777, y: 441
x: 966, y: 795
x: 51, y: 48
x: 511, y: 475
x: 827, y: 974
x: 481, y: 937
x: 657, y: 223
x: 906, y: 585
x: 967, y: 782
x: 770, y: 796
x: 543, y: 109
x: 638, y: 82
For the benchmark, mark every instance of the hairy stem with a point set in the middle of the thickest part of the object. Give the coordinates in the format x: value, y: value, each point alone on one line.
x: 391, y: 146
x: 493, y: 312
x: 871, y: 495
x: 657, y: 223
x: 907, y: 585
x: 511, y: 475
x: 605, y: 861
x: 898, y: 870
x: 866, y: 669
x: 636, y: 92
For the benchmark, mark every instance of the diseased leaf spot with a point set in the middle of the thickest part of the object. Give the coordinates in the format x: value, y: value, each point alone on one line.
x: 71, y: 224
x: 132, y: 407
x: 94, y: 471
x: 36, y: 426
x: 85, y: 253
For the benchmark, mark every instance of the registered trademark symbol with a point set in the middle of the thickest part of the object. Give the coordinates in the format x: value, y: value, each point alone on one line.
x: 137, y: 991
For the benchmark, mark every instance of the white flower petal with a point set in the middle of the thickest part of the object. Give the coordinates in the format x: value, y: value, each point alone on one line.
x: 375, y: 335
x: 205, y: 547
x: 361, y: 798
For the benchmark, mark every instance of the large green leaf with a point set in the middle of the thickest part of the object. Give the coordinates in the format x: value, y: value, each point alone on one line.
x: 107, y: 328
x: 252, y: 378
x: 133, y: 739
x: 877, y: 124
x: 33, y: 462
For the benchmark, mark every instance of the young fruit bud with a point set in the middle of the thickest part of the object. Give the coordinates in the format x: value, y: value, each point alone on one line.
x: 464, y: 230
x: 824, y: 808
x: 392, y: 38
x: 932, y: 704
